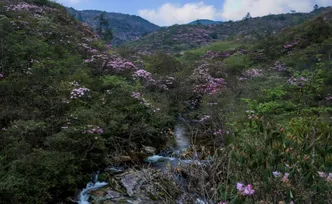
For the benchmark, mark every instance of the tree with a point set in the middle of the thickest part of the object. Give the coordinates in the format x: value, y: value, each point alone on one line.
x: 316, y: 7
x: 103, y: 29
x: 248, y: 16
x: 292, y: 11
x: 79, y: 16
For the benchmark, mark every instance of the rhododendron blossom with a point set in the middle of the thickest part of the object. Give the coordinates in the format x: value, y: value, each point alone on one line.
x: 79, y: 93
x: 142, y: 74
x: 206, y: 83
x: 299, y: 82
x: 120, y: 65
x: 93, y: 129
x: 136, y: 95
x: 253, y: 73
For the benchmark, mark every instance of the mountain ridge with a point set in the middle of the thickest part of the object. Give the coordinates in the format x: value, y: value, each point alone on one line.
x: 178, y: 38
x: 204, y: 22
x: 125, y: 27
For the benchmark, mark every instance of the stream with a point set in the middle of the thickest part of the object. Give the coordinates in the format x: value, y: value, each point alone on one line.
x: 160, y: 162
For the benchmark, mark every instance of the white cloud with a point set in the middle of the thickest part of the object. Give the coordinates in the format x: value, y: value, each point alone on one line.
x: 237, y: 9
x: 169, y: 14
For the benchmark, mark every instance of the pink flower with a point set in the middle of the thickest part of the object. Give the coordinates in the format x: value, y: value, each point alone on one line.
x: 249, y: 190
x: 239, y: 186
x: 285, y: 178
x: 276, y: 174
x: 142, y: 74
x: 219, y: 132
x: 329, y: 98
x: 245, y: 190
x: 1, y: 75
x: 136, y: 95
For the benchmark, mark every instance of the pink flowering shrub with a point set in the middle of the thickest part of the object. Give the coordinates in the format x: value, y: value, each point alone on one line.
x: 23, y: 6
x: 297, y: 81
x: 252, y: 73
x: 206, y: 84
x: 142, y: 74
x: 93, y: 129
x: 120, y: 65
x: 79, y: 93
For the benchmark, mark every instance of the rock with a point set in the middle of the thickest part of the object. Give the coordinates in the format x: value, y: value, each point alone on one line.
x: 131, y: 182
x: 115, y: 170
x: 149, y: 150
x: 112, y: 194
x: 125, y: 159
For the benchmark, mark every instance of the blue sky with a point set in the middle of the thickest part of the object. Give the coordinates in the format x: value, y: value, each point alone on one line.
x: 169, y: 12
x: 129, y: 6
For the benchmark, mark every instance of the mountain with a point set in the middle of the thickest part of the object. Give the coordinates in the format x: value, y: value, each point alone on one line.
x: 125, y: 27
x: 177, y: 38
x: 204, y: 22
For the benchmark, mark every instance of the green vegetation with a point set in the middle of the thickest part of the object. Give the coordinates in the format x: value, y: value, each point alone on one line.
x: 258, y: 109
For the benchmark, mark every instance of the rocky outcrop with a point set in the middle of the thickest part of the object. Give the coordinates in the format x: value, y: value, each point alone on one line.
x: 145, y: 186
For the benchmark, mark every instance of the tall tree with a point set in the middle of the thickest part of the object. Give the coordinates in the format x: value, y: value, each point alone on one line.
x: 316, y: 7
x: 103, y: 29
x: 248, y: 16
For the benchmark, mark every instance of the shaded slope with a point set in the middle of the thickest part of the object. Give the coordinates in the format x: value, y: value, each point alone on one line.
x: 125, y: 27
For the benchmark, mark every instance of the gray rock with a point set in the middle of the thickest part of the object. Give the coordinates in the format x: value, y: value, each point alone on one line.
x: 131, y: 182
x: 149, y: 150
x: 112, y: 194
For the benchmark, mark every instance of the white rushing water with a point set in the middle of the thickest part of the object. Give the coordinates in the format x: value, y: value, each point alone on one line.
x: 92, y: 185
x: 182, y: 142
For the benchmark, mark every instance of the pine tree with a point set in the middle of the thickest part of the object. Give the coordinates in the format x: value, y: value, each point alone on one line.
x: 103, y: 29
x: 248, y: 16
x: 316, y: 7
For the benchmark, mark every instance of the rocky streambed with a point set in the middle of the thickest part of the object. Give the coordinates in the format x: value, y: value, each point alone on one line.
x: 162, y: 179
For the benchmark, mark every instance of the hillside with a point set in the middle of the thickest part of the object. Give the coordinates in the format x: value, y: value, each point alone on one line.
x: 231, y: 122
x: 125, y: 27
x: 67, y: 107
x: 184, y: 37
x: 204, y: 22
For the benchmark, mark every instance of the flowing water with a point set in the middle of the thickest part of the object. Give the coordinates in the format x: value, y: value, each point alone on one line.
x: 157, y: 161
x: 182, y: 141
x: 92, y: 185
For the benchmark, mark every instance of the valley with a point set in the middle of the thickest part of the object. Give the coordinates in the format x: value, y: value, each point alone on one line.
x: 212, y: 113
